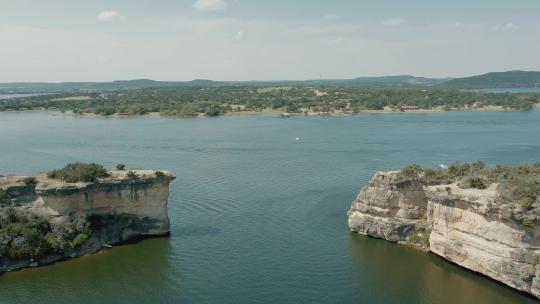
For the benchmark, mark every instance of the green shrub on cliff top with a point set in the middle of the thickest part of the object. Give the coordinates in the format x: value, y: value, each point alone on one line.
x: 526, y: 202
x: 29, y: 180
x: 517, y: 185
x: 79, y: 172
x: 458, y: 169
x: 437, y: 177
x: 527, y: 223
x: 478, y: 166
x: 475, y: 182
x: 411, y: 170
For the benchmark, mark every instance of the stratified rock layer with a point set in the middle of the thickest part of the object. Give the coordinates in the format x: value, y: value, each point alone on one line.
x: 469, y: 227
x: 120, y: 208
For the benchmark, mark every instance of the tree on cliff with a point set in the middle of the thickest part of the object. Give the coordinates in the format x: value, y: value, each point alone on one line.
x: 79, y: 172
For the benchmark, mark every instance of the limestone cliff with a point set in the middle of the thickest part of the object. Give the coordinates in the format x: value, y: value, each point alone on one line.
x: 119, y: 208
x: 470, y: 227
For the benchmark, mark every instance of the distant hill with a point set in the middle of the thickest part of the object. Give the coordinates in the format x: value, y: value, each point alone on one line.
x: 100, y: 86
x: 510, y: 79
x: 400, y: 81
x: 382, y: 81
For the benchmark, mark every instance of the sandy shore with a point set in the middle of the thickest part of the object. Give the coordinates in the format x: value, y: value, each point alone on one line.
x: 276, y: 112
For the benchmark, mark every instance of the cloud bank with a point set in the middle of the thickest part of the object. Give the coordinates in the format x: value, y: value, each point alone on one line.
x: 107, y: 16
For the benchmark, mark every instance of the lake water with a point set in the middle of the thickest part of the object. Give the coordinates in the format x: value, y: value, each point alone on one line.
x: 257, y: 216
x: 17, y: 95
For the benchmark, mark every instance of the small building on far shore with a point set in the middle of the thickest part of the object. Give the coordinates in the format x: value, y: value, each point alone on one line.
x: 409, y: 107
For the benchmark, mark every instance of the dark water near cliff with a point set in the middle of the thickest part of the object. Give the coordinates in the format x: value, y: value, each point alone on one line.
x: 258, y: 217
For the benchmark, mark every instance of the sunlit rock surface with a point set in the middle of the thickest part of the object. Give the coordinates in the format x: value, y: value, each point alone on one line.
x: 120, y: 208
x: 469, y: 227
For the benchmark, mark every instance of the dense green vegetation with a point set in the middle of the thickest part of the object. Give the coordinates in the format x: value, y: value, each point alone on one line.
x: 78, y: 172
x: 4, y: 198
x: 26, y: 235
x: 29, y: 180
x: 519, y: 183
x: 132, y: 174
x: 216, y: 100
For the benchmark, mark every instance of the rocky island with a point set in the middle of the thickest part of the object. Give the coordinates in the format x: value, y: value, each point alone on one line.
x: 78, y: 210
x: 485, y: 219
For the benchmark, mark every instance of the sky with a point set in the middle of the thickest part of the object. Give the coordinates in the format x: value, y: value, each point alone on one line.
x: 73, y: 40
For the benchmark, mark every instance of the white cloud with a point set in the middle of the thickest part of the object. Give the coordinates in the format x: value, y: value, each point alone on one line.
x: 330, y: 17
x: 239, y: 35
x: 109, y: 16
x: 394, y: 22
x: 505, y: 28
x: 210, y: 5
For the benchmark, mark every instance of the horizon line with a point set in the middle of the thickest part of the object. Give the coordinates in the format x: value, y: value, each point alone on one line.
x: 262, y: 81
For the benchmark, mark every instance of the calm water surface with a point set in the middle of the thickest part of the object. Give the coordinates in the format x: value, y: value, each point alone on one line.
x: 14, y: 96
x: 258, y: 217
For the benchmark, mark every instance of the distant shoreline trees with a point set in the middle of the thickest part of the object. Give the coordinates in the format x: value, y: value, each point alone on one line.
x: 215, y: 101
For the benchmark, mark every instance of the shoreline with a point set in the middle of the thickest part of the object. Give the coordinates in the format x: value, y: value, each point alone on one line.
x: 273, y: 112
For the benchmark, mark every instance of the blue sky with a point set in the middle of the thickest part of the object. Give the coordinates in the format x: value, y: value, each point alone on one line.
x: 60, y: 40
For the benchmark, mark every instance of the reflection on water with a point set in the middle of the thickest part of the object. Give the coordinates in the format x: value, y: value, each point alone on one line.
x: 14, y: 96
x: 96, y: 276
x: 413, y: 275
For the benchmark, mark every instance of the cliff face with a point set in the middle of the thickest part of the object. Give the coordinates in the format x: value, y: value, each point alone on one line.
x: 389, y: 207
x: 117, y: 209
x: 469, y: 227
